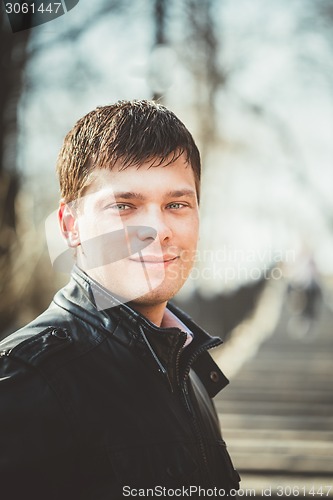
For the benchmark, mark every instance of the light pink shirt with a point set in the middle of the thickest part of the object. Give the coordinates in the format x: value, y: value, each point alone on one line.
x: 171, y: 321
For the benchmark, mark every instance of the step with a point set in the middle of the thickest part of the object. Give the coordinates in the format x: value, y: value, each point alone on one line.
x: 269, y: 366
x: 281, y: 434
x: 234, y: 421
x: 280, y: 378
x: 269, y: 394
x: 278, y: 408
x: 282, y: 456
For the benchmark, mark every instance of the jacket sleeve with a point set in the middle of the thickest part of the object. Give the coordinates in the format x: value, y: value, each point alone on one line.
x: 36, y: 443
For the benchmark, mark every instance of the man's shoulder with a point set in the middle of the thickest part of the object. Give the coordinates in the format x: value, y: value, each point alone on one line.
x: 46, y: 335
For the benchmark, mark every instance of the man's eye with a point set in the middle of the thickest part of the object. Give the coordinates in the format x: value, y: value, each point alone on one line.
x: 176, y: 205
x: 120, y: 207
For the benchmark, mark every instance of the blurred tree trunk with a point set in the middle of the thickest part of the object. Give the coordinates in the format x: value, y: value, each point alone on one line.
x: 160, y: 13
x: 13, y: 59
x: 202, y: 58
x: 160, y: 36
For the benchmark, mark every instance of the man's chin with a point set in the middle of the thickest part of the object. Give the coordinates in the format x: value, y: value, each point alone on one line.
x: 155, y: 297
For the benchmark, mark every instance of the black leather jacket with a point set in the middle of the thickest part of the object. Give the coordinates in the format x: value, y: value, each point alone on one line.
x: 96, y: 401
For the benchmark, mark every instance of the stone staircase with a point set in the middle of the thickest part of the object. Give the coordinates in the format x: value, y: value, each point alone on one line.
x: 277, y: 413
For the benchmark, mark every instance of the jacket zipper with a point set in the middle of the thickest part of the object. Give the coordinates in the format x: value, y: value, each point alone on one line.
x: 182, y: 385
x: 152, y: 352
x: 188, y: 402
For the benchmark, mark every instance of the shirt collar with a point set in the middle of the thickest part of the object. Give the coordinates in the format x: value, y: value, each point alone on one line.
x: 170, y: 320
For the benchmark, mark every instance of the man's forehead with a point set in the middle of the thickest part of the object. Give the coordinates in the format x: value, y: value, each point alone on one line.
x: 110, y: 182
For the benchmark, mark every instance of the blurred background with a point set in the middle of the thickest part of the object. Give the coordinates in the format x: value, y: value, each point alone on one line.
x: 253, y: 81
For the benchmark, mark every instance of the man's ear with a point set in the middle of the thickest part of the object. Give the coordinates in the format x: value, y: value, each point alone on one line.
x: 69, y: 224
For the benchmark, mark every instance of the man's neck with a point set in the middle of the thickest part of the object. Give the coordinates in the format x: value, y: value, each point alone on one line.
x: 153, y: 313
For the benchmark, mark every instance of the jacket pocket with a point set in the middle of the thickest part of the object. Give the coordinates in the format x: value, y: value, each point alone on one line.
x: 158, y: 464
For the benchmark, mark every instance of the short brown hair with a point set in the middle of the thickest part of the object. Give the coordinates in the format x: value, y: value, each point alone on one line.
x: 131, y: 132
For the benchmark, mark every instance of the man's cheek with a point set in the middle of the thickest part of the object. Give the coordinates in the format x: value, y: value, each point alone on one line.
x: 103, y: 249
x: 188, y: 256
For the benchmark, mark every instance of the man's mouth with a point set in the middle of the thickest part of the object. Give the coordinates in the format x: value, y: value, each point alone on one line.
x: 155, y: 259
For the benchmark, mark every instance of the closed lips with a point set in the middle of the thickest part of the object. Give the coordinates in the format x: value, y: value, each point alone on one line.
x: 152, y: 259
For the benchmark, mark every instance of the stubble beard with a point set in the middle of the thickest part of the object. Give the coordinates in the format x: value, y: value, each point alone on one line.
x: 167, y: 289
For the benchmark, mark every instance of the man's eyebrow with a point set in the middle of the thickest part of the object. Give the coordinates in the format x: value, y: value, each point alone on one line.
x: 129, y: 195
x: 178, y: 193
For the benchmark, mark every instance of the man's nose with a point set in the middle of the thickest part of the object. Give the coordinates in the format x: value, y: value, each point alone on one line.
x: 155, y: 224
x: 139, y: 237
x: 146, y: 233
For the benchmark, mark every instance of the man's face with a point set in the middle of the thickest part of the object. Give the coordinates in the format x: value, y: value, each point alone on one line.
x: 138, y: 229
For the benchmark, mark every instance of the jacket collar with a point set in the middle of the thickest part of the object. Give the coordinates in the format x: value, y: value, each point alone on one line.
x: 81, y: 296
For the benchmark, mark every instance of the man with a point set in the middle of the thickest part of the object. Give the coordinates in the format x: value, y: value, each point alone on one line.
x: 107, y: 394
